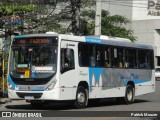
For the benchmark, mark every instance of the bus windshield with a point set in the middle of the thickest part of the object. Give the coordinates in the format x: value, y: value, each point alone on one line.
x: 33, y: 61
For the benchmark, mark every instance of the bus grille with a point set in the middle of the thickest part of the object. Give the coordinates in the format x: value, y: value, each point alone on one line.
x: 35, y: 95
x: 31, y: 81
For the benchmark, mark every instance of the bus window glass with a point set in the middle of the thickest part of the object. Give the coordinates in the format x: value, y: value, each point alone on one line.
x: 91, y: 53
x: 83, y: 54
x: 67, y: 59
x: 144, y: 59
x: 108, y: 56
x: 151, y: 59
x: 86, y: 54
x: 120, y: 58
x: 39, y: 61
x: 99, y: 57
x: 115, y: 57
x: 130, y: 59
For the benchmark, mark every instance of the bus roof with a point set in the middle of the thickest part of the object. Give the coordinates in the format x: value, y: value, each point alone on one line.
x: 101, y: 39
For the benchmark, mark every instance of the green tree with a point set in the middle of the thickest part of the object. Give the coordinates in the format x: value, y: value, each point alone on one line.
x: 115, y: 26
x: 76, y: 16
x: 110, y: 25
x: 70, y: 14
x: 10, y: 10
x: 81, y: 20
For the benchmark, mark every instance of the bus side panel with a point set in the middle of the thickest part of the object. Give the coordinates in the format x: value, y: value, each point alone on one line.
x: 145, y: 87
x: 84, y: 75
x: 111, y: 82
x: 114, y: 92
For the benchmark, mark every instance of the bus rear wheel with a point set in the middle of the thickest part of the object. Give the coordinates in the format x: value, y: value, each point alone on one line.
x: 81, y: 98
x: 129, y: 95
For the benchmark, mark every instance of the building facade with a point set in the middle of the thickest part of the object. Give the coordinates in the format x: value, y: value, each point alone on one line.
x: 145, y: 20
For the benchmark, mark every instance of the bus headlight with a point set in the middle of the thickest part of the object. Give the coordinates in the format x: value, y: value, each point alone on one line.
x: 10, y: 86
x: 51, y: 86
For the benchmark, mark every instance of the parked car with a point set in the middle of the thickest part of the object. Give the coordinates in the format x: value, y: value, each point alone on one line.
x: 157, y: 73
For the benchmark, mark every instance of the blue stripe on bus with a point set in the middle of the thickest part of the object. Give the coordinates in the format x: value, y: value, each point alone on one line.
x: 136, y: 81
x: 96, y: 72
x: 20, y: 36
x: 93, y: 40
x: 11, y: 82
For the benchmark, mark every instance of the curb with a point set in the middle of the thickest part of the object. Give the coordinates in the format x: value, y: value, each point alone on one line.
x: 4, y: 100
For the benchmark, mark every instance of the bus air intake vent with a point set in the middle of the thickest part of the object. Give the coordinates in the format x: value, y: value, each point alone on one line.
x: 35, y: 95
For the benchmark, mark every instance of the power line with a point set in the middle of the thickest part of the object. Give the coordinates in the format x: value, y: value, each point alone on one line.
x: 124, y: 0
x: 127, y: 3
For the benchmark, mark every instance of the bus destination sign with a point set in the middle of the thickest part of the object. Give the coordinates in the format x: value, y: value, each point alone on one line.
x: 35, y: 41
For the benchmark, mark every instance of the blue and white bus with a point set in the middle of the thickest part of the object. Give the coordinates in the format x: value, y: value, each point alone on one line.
x: 57, y: 67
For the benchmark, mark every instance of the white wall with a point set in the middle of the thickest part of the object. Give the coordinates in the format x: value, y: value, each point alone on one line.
x: 145, y: 10
x: 118, y: 7
x: 133, y: 9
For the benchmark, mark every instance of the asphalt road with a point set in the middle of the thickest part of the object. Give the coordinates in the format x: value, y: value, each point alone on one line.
x: 144, y: 103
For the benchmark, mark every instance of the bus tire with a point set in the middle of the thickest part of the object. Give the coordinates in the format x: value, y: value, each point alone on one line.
x: 129, y: 95
x: 81, y: 98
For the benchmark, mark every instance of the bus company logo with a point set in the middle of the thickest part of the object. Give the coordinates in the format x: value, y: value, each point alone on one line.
x: 21, y: 114
x: 6, y: 114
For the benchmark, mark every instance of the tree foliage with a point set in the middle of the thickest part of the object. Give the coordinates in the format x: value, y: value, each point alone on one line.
x: 110, y: 25
x: 76, y: 16
x: 11, y: 10
x: 16, y: 9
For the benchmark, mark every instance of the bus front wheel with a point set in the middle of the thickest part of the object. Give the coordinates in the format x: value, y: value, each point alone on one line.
x: 129, y: 95
x: 81, y: 98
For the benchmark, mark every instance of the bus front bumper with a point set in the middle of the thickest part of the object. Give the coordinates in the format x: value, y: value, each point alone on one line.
x: 34, y: 95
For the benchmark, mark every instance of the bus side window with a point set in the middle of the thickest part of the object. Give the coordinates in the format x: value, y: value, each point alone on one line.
x: 115, y: 57
x: 67, y: 59
x: 83, y: 55
x: 108, y: 57
x: 141, y: 59
x: 147, y: 60
x: 99, y: 56
x: 120, y: 58
x: 91, y: 53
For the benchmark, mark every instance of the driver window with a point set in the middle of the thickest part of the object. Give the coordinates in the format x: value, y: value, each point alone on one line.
x: 67, y: 59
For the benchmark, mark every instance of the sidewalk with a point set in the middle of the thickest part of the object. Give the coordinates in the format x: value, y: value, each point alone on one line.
x: 4, y: 101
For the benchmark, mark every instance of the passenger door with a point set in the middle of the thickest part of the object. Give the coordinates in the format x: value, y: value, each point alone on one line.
x: 68, y: 78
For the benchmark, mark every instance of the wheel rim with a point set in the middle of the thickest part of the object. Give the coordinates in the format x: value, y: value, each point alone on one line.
x: 129, y: 95
x: 81, y: 97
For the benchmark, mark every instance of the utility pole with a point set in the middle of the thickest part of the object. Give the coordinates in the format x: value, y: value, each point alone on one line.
x: 75, y: 10
x: 3, y: 81
x: 98, y: 18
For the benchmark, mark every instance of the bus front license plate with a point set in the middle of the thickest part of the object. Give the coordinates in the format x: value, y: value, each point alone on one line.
x: 29, y: 97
